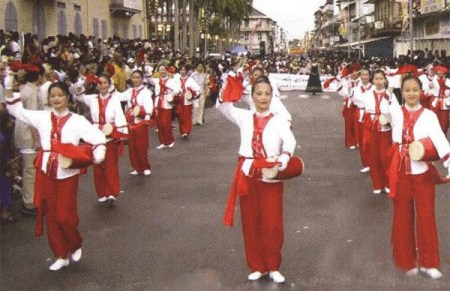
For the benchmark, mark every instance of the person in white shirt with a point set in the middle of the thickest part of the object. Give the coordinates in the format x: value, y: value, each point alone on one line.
x: 377, y: 135
x: 263, y: 135
x: 357, y: 92
x: 56, y: 187
x: 414, y: 231
x: 199, y: 75
x: 165, y: 90
x: 139, y: 99
x: 107, y: 115
x: 189, y: 91
x: 441, y: 91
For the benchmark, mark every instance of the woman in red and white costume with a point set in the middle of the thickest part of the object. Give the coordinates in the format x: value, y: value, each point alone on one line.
x: 165, y: 90
x: 349, y: 80
x: 441, y: 91
x: 56, y: 187
x: 184, y: 105
x: 377, y: 137
x: 414, y: 232
x: 357, y: 93
x: 263, y: 135
x: 138, y: 138
x: 106, y: 109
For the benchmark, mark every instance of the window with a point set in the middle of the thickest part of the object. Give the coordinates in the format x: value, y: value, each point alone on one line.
x: 246, y: 36
x: 95, y: 27
x: 125, y: 31
x: 10, y: 16
x: 104, y: 30
x: 116, y: 28
x: 78, y: 26
x: 39, y: 20
x: 62, y: 23
x: 134, y: 31
x: 259, y: 36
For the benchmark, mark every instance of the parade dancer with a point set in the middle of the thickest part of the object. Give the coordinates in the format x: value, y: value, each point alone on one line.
x: 377, y: 135
x: 349, y: 79
x: 438, y: 105
x: 357, y: 92
x: 107, y: 115
x: 427, y: 78
x: 190, y: 90
x: 139, y: 99
x: 56, y: 187
x: 414, y: 233
x: 165, y: 90
x: 263, y: 135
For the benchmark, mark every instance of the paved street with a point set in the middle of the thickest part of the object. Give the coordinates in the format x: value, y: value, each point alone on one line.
x: 165, y: 232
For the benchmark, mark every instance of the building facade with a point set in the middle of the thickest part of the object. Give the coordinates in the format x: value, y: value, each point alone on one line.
x: 381, y: 28
x: 261, y: 35
x: 123, y: 18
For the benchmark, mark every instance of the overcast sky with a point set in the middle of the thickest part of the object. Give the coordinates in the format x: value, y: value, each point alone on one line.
x: 295, y: 16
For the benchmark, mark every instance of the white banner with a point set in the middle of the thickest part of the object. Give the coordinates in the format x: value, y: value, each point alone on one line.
x: 290, y: 82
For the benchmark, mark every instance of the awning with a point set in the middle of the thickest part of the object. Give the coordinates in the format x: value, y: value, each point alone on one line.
x: 362, y: 41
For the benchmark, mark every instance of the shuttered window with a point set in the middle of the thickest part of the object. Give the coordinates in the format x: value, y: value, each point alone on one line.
x: 62, y: 22
x: 39, y: 20
x: 78, y: 26
x: 10, y: 17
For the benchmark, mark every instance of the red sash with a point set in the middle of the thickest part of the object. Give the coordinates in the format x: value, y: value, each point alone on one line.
x: 102, y: 104
x: 162, y: 91
x: 378, y: 98
x: 134, y: 93
x: 55, y: 136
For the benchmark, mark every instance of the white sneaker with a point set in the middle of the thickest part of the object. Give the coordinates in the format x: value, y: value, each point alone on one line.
x: 387, y: 190
x: 58, y: 264
x: 184, y: 135
x: 433, y: 273
x: 161, y: 146
x: 277, y: 277
x: 255, y: 275
x: 365, y: 170
x: 102, y: 199
x: 413, y: 272
x: 377, y: 191
x: 134, y: 172
x: 352, y: 147
x: 147, y: 172
x: 111, y: 198
x: 76, y: 255
x: 171, y: 145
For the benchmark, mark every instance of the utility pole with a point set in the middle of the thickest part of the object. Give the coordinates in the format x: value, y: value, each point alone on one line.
x: 411, y: 31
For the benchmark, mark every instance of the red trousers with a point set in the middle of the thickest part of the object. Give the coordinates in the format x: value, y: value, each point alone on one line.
x: 414, y: 210
x: 138, y: 143
x: 349, y: 126
x: 262, y: 225
x: 443, y: 118
x: 377, y: 147
x: 60, y: 204
x: 106, y: 175
x: 164, y: 123
x: 185, y: 118
x: 362, y: 146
